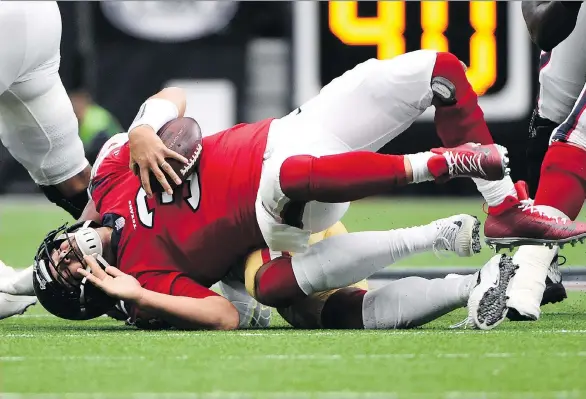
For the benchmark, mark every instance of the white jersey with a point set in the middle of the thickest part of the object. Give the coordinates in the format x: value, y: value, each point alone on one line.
x: 562, y: 74
x: 37, y: 123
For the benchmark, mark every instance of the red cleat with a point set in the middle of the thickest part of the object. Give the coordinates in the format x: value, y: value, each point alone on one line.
x: 517, y: 222
x: 489, y: 162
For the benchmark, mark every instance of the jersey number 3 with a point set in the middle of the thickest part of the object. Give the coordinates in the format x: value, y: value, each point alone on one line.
x: 146, y: 216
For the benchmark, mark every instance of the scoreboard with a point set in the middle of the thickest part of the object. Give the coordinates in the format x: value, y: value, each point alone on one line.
x: 489, y: 36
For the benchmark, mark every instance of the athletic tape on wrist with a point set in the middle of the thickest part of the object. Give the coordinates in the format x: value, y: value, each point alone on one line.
x: 155, y: 112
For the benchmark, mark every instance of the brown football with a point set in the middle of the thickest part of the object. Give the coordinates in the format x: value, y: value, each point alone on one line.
x: 182, y: 135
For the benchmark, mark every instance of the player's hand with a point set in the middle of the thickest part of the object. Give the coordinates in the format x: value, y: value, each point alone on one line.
x: 148, y: 153
x: 112, y: 281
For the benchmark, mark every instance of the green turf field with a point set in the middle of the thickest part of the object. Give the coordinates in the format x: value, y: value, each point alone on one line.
x: 103, y: 358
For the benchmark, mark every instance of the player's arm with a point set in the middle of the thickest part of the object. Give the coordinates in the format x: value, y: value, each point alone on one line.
x: 147, y: 151
x: 211, y: 312
x: 550, y: 22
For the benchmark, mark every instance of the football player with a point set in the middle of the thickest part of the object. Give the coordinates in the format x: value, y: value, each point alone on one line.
x: 276, y: 181
x: 557, y: 27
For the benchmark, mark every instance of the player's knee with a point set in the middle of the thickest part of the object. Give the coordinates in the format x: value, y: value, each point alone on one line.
x: 294, y: 176
x: 276, y: 285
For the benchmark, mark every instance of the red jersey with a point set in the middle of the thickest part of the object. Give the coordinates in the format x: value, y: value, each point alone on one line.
x: 175, y: 244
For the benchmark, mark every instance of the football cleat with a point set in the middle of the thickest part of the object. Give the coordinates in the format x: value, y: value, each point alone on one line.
x: 518, y: 222
x: 487, y: 304
x: 554, y: 289
x: 459, y: 234
x: 489, y: 162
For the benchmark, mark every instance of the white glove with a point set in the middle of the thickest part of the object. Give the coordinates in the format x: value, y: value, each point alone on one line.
x: 252, y: 313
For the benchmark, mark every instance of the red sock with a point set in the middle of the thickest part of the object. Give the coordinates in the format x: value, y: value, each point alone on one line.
x: 341, y: 178
x: 463, y: 122
x: 276, y: 284
x: 343, y: 309
x: 562, y: 184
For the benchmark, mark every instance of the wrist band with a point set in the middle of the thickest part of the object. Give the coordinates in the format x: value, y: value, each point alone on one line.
x: 155, y: 112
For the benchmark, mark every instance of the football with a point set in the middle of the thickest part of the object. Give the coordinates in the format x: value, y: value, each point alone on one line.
x: 182, y: 135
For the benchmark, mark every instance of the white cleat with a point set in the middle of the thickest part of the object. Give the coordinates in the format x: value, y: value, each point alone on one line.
x: 487, y: 304
x: 11, y: 305
x: 459, y: 234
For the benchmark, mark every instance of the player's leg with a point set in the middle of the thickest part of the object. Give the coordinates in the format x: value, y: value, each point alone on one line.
x: 408, y: 302
x: 405, y: 303
x: 560, y: 194
x: 343, y: 259
x: 37, y: 123
x: 462, y: 121
x: 323, y: 152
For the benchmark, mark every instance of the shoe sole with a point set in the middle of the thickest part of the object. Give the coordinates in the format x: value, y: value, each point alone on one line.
x: 475, y: 239
x: 492, y: 308
x: 514, y: 242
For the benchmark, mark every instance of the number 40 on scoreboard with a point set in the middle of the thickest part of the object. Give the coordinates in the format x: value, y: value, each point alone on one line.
x: 332, y: 37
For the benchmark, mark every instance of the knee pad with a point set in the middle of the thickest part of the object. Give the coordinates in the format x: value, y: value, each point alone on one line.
x: 73, y: 205
x: 540, y: 130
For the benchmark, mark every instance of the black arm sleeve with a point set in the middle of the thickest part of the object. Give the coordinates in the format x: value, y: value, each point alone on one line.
x: 550, y: 22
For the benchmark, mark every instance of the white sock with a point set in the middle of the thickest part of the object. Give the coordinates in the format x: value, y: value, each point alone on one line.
x: 414, y: 301
x: 419, y: 165
x: 342, y: 260
x: 495, y: 192
x: 19, y: 283
x: 527, y: 286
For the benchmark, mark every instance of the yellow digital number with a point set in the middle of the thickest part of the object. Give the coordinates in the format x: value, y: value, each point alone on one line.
x: 386, y: 32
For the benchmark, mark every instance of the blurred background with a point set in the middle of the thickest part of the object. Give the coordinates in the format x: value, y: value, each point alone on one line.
x: 244, y: 61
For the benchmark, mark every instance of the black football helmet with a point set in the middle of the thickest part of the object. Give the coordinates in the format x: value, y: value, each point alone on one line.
x: 62, y: 299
